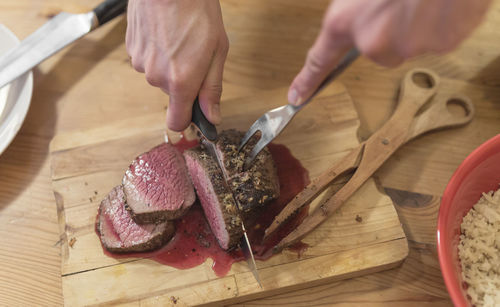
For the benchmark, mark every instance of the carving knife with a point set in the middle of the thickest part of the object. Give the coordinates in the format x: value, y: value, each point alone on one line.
x: 210, y: 136
x: 57, y: 33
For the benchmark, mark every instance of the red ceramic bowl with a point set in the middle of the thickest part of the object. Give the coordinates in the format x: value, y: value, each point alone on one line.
x: 478, y: 173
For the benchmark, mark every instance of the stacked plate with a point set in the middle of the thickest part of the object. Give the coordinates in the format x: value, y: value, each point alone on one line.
x: 15, y: 97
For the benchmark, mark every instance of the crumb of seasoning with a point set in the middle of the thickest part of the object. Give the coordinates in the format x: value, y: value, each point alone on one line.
x: 359, y: 219
x: 95, y: 192
x: 72, y: 242
x: 174, y: 299
x: 90, y: 199
x: 202, y: 241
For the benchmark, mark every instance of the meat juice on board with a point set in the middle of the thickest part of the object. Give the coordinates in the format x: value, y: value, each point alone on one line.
x: 194, y: 242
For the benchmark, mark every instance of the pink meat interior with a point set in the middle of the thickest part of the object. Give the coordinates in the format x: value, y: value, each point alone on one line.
x: 208, y: 199
x: 117, y: 227
x: 158, y: 180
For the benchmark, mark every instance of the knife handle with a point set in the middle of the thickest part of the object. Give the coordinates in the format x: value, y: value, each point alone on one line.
x: 109, y: 9
x: 198, y: 118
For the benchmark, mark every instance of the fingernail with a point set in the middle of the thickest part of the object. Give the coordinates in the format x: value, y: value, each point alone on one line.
x: 294, y: 98
x: 215, y: 113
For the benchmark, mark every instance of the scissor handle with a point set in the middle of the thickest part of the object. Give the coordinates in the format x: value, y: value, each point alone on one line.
x: 439, y: 116
x: 417, y: 87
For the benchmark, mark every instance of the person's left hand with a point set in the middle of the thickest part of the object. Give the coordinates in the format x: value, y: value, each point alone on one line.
x: 385, y: 31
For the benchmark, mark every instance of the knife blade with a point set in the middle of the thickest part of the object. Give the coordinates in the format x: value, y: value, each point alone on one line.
x: 57, y: 33
x: 210, y: 136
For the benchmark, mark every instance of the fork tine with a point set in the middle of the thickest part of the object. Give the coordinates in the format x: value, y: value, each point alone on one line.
x: 255, y: 151
x: 253, y: 129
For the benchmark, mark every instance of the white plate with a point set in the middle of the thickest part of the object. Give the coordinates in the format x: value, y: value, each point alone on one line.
x: 14, y: 98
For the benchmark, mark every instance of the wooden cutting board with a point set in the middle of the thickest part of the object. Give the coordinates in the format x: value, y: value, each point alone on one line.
x: 364, y: 236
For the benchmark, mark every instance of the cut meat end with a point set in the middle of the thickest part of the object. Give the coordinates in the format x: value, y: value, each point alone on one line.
x: 215, y: 198
x: 120, y: 234
x: 252, y: 188
x: 157, y: 186
x: 227, y: 146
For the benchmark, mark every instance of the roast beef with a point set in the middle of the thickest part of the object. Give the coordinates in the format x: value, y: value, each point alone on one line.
x: 252, y: 188
x: 157, y: 186
x: 119, y: 233
x: 215, y: 197
x: 255, y: 187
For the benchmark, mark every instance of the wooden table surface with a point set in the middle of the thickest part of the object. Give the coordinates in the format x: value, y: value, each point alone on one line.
x: 269, y: 40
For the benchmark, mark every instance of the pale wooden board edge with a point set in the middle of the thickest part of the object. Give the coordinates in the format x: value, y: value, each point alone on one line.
x: 237, y: 288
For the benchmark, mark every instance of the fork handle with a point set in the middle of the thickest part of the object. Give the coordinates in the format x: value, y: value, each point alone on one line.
x: 350, y: 56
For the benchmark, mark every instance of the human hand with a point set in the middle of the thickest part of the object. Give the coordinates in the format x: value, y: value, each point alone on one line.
x: 181, y: 46
x: 385, y: 31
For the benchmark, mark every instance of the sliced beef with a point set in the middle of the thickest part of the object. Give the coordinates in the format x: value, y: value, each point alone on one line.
x: 119, y: 233
x: 255, y: 187
x: 157, y: 185
x: 215, y: 197
x: 252, y: 188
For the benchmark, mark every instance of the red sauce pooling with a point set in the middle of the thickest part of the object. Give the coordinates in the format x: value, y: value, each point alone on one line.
x: 184, y: 144
x: 194, y: 242
x: 293, y: 178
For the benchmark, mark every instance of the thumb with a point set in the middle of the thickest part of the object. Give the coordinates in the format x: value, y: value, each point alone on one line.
x: 211, y: 88
x: 321, y: 59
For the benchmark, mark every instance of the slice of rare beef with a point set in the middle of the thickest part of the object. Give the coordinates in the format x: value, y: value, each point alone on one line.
x: 215, y: 197
x: 252, y: 188
x: 157, y: 185
x: 120, y: 234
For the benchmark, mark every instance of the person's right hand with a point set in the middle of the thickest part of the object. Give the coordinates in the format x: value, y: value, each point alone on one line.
x: 181, y: 46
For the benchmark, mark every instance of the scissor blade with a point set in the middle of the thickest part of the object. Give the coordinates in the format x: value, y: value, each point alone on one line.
x: 54, y: 35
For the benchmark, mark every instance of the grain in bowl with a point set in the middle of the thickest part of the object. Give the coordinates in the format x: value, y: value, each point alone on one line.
x: 479, y: 250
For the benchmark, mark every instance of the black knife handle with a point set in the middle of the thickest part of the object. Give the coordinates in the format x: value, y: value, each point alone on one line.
x: 109, y: 9
x: 198, y: 118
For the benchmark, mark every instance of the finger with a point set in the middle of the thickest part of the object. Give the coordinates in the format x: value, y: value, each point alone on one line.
x: 179, y: 111
x: 183, y: 85
x: 133, y: 42
x: 154, y: 74
x: 211, y: 88
x: 137, y: 62
x: 321, y: 59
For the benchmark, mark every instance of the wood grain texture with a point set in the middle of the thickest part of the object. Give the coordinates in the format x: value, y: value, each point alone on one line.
x: 417, y: 282
x: 86, y: 166
x: 269, y: 40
